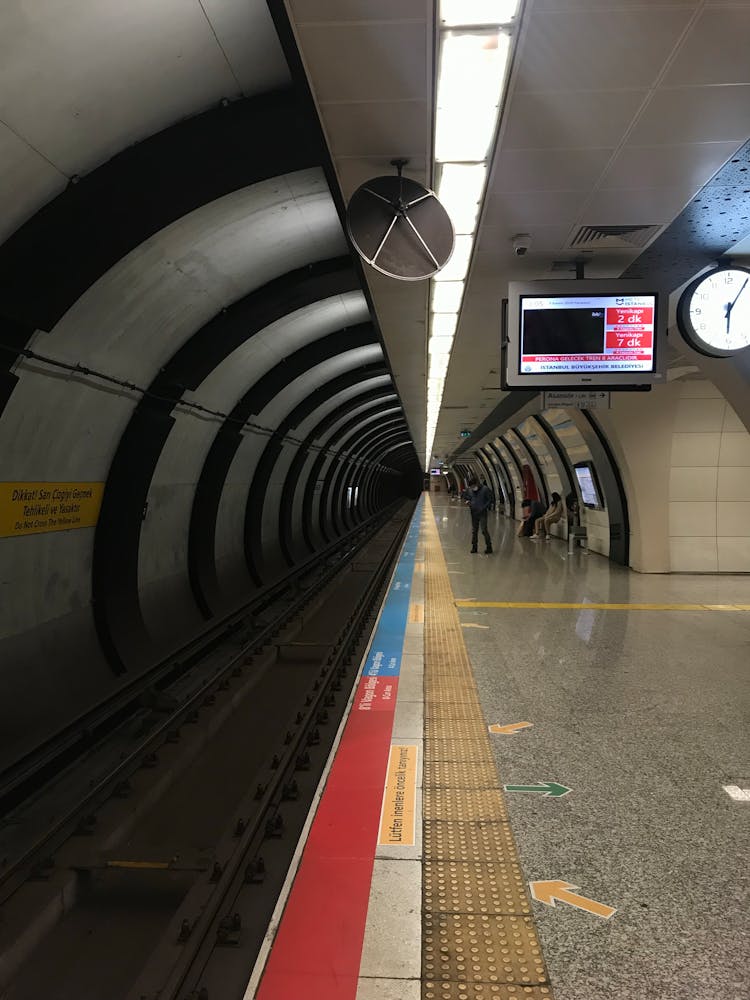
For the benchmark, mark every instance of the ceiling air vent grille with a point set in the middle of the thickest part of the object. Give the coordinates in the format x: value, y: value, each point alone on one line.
x: 613, y: 237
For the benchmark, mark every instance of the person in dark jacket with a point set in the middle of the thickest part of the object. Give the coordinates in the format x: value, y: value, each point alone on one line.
x: 479, y: 498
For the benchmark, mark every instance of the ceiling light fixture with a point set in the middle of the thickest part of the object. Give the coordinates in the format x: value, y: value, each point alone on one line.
x: 487, y: 13
x: 474, y: 49
x: 446, y: 296
x: 460, y: 187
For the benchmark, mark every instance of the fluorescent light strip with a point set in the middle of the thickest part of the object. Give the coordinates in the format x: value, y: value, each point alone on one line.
x: 439, y: 346
x: 472, y: 67
x: 446, y: 296
x: 444, y: 324
x: 458, y: 265
x: 470, y: 83
x: 459, y: 191
x: 489, y: 13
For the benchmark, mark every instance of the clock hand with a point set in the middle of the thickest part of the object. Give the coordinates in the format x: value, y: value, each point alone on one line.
x: 730, y: 305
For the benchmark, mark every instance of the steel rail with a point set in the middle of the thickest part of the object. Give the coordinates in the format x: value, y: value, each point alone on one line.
x: 204, y: 937
x: 42, y: 847
x: 24, y: 769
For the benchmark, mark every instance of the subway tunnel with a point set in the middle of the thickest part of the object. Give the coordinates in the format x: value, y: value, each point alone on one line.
x: 210, y: 405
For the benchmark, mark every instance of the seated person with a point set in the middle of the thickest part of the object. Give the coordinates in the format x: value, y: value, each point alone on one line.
x: 571, y: 506
x: 553, y: 514
x: 530, y: 511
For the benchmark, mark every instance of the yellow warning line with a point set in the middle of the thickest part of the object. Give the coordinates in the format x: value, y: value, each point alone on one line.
x: 595, y: 606
x: 479, y: 940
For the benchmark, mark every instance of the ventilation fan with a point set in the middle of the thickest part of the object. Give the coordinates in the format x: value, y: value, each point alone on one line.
x: 399, y: 227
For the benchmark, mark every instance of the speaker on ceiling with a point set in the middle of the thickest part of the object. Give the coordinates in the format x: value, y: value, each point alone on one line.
x: 399, y: 227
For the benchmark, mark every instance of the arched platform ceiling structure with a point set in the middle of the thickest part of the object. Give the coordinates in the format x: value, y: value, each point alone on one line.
x: 182, y: 320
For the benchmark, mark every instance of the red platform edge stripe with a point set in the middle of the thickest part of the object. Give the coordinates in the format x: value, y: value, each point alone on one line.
x: 318, y: 947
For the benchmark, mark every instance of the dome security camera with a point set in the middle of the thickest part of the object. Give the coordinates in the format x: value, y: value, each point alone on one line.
x: 521, y: 244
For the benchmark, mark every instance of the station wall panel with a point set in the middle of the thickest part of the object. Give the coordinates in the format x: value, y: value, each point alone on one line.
x: 709, y: 484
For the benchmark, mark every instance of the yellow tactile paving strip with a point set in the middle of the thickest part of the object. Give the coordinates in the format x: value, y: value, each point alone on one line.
x: 479, y: 941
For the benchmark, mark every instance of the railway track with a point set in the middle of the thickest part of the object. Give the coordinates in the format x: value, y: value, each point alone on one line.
x: 160, y: 880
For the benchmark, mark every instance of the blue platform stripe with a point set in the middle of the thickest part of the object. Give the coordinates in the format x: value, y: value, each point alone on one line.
x: 384, y: 658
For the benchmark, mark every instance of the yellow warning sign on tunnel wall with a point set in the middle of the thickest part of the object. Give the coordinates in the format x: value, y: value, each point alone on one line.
x: 32, y: 508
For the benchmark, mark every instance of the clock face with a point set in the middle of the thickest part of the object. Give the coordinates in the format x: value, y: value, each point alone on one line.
x: 713, y: 313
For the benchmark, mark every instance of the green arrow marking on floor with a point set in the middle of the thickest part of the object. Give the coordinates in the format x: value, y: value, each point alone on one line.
x: 550, y: 788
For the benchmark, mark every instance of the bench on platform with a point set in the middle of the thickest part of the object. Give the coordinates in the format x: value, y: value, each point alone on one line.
x: 577, y: 533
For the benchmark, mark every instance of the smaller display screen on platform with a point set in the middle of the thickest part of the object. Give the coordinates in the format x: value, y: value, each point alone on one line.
x: 435, y: 472
x: 587, y: 334
x: 587, y: 485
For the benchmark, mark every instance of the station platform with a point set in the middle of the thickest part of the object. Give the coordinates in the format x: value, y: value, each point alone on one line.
x: 537, y: 791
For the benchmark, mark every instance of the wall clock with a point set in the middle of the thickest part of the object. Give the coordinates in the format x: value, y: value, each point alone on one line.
x: 713, y: 313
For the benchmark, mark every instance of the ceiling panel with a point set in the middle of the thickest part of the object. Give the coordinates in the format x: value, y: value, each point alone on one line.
x: 629, y: 207
x: 716, y: 50
x: 667, y: 166
x: 604, y: 5
x: 359, y: 10
x: 380, y: 62
x: 519, y: 209
x: 695, y: 114
x: 537, y: 170
x: 385, y: 129
x: 556, y: 119
x: 598, y: 50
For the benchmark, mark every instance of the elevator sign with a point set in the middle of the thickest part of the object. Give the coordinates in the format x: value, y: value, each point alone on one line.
x: 34, y: 508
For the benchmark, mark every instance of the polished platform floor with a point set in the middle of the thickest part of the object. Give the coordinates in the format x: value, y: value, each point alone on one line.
x: 644, y: 715
x: 563, y: 830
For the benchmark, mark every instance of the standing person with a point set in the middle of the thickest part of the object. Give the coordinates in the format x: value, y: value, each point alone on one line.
x: 492, y: 495
x: 479, y: 498
x: 552, y: 516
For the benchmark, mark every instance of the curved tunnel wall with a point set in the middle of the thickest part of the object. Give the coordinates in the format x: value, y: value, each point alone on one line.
x: 210, y: 359
x: 549, y: 444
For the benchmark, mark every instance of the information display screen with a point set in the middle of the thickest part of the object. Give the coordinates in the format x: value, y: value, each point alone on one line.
x: 587, y: 334
x: 588, y: 485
